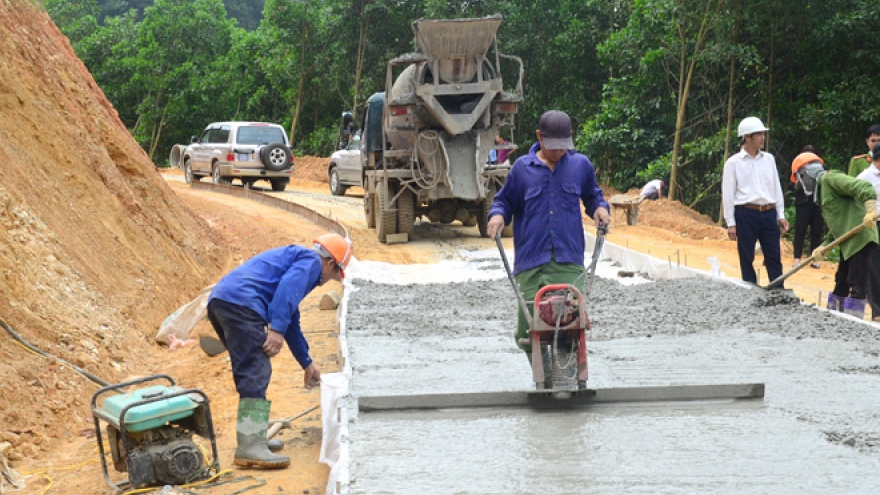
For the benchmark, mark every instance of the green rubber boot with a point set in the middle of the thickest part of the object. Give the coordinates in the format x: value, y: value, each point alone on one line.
x: 253, y: 449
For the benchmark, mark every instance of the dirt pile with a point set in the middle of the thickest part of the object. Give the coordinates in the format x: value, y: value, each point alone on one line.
x: 312, y: 168
x: 95, y: 248
x: 678, y: 218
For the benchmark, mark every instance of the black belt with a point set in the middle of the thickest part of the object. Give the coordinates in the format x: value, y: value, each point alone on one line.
x: 762, y: 208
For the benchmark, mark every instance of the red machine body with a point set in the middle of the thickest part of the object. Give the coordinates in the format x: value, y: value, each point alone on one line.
x: 559, y: 324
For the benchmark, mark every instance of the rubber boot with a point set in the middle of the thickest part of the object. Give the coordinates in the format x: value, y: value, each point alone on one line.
x: 253, y: 448
x: 834, y: 302
x: 854, y: 307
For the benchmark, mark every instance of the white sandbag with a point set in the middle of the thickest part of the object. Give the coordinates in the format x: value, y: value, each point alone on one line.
x: 181, y: 322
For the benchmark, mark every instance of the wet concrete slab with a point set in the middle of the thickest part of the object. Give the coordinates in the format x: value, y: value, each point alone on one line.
x: 816, y: 431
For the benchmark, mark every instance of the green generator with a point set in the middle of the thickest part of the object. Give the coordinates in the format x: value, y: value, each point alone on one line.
x: 150, y: 433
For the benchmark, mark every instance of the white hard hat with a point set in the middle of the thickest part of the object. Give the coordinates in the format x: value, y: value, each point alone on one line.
x: 750, y: 125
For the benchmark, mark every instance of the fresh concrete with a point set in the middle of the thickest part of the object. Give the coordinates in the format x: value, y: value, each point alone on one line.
x: 816, y: 432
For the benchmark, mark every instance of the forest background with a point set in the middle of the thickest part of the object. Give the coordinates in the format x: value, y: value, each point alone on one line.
x: 655, y: 87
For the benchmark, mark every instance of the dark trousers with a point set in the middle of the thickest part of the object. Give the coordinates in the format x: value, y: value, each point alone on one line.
x: 874, y: 281
x: 851, y: 279
x: 807, y: 216
x: 243, y: 332
x: 760, y: 226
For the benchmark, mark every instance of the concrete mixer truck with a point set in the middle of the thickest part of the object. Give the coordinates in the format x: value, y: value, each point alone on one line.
x: 426, y: 140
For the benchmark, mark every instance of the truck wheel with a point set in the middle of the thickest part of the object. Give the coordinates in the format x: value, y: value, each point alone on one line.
x: 406, y: 212
x: 187, y: 171
x: 336, y: 188
x: 370, y: 210
x: 470, y: 222
x: 279, y: 185
x: 275, y: 156
x: 386, y: 220
x: 219, y: 179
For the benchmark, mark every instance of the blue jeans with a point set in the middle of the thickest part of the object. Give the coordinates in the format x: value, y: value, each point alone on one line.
x: 761, y: 226
x: 243, y: 332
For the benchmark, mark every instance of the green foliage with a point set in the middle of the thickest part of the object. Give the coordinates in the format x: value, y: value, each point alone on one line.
x: 171, y: 66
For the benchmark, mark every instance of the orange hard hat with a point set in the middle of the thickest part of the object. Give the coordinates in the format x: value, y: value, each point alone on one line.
x: 338, y: 247
x: 801, y: 160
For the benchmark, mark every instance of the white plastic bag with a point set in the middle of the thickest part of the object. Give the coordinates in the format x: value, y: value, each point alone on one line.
x: 181, y: 322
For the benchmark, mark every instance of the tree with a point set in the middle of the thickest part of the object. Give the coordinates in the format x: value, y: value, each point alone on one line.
x: 179, y: 42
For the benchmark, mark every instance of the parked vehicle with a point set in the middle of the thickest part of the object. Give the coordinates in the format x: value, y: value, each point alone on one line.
x: 247, y: 151
x: 425, y: 141
x: 345, y: 168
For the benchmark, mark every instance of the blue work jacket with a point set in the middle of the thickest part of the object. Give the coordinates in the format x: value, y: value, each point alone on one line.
x: 545, y: 207
x: 273, y: 283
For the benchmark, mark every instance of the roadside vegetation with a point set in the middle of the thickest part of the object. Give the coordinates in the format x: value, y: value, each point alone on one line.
x: 655, y: 86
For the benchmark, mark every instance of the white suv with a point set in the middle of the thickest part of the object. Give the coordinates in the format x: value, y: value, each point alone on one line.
x: 248, y: 151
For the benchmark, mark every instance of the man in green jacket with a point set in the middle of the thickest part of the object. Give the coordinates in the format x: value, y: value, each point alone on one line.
x: 846, y: 202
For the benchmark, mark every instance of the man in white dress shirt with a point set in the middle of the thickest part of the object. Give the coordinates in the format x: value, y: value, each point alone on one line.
x: 751, y: 195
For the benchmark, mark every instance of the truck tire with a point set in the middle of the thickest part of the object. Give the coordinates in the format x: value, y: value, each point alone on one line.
x: 370, y: 210
x: 217, y: 178
x: 336, y: 188
x: 279, y: 185
x: 386, y: 220
x: 406, y: 212
x: 275, y: 156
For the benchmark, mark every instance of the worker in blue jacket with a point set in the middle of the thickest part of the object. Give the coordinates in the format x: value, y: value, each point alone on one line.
x: 255, y: 309
x: 542, y: 195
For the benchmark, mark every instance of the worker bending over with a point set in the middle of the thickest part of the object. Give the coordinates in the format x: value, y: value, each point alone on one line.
x: 652, y: 190
x: 846, y: 202
x: 254, y: 310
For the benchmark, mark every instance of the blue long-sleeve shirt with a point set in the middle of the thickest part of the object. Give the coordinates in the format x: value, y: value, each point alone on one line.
x: 545, y: 206
x: 273, y: 283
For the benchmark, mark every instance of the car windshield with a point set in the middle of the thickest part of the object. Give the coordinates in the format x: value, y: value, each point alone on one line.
x: 260, y: 135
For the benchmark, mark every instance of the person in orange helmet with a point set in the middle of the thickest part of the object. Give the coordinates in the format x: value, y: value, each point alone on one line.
x: 807, y: 212
x: 255, y: 309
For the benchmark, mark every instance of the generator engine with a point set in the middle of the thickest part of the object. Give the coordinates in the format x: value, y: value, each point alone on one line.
x: 151, y: 432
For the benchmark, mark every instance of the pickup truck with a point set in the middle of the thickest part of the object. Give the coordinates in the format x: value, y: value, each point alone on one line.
x: 247, y: 151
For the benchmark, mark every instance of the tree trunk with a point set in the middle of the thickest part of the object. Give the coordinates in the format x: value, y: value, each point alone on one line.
x: 731, y: 82
x: 362, y: 50
x: 299, y: 86
x: 686, y: 75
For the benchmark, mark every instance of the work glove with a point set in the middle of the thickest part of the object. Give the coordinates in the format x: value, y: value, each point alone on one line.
x: 870, y: 213
x: 820, y: 252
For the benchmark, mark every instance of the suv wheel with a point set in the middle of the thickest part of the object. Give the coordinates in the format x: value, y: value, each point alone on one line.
x: 187, y: 171
x: 219, y: 179
x: 335, y: 187
x: 275, y: 156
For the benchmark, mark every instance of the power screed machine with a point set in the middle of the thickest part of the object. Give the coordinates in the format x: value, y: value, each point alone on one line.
x: 558, y: 327
x: 557, y: 335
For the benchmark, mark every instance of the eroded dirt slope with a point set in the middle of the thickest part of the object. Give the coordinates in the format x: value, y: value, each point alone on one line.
x: 95, y: 249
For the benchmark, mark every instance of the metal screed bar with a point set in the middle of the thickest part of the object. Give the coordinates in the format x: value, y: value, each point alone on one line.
x: 548, y: 399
